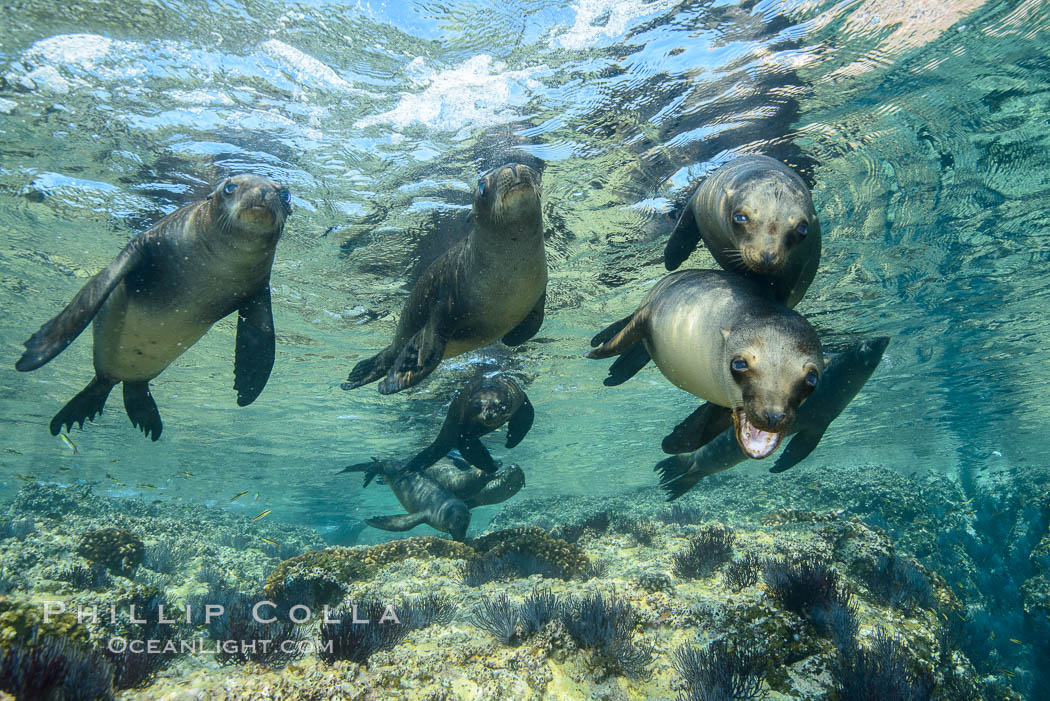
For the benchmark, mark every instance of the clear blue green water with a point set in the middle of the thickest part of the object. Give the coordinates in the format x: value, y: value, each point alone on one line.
x: 924, y: 127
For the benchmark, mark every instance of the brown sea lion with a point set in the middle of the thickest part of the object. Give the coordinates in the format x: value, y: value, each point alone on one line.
x: 466, y: 482
x: 715, y: 335
x: 165, y: 290
x: 491, y: 285
x: 756, y: 216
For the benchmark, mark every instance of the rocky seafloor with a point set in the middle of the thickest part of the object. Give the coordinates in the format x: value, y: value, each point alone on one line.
x: 874, y: 585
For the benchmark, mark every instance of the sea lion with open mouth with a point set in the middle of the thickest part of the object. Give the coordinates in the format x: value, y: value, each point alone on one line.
x: 165, y: 290
x: 756, y: 216
x: 844, y: 375
x: 715, y: 335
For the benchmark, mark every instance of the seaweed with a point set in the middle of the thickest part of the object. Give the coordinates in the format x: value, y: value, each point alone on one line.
x: 499, y: 617
x: 134, y: 669
x: 720, y: 672
x: 899, y: 582
x: 539, y: 608
x: 162, y: 557
x: 881, y: 671
x: 41, y: 668
x: 605, y: 625
x: 743, y: 573
x: 243, y: 638
x: 682, y: 515
x: 425, y: 610
x: 706, y: 553
x: 809, y: 586
x: 80, y: 577
x: 358, y: 632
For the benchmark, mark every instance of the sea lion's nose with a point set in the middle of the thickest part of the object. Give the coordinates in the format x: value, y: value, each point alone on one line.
x: 768, y: 258
x: 773, y: 418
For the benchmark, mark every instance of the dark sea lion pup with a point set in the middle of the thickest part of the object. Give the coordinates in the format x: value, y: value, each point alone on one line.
x: 756, y: 216
x: 715, y: 335
x: 466, y: 482
x: 845, y: 375
x: 165, y: 290
x: 424, y: 499
x: 491, y: 285
x: 479, y: 408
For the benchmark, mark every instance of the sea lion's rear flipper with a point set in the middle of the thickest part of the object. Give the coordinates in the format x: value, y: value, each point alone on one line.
x: 802, y: 444
x: 371, y: 468
x: 55, y: 335
x: 698, y: 429
x: 420, y: 357
x: 627, y: 365
x: 610, y: 331
x: 142, y: 410
x: 370, y: 369
x: 397, y: 522
x: 621, y: 341
x: 675, y: 478
x: 520, y: 423
x: 477, y: 454
x: 684, y: 238
x: 529, y: 326
x: 254, y: 356
x: 84, y: 407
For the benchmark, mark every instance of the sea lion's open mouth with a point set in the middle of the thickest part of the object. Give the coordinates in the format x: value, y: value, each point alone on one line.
x: 755, y: 442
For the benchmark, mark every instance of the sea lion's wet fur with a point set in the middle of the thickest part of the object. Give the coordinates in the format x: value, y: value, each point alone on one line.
x: 425, y: 501
x: 491, y: 285
x: 165, y: 290
x: 464, y: 481
x: 844, y: 376
x: 695, y: 323
x: 768, y: 247
x: 483, y: 405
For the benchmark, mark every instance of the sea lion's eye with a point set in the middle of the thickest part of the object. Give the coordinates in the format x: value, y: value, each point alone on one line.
x: 285, y: 195
x: 802, y: 228
x: 229, y: 189
x: 740, y: 218
x: 738, y: 365
x: 812, y: 379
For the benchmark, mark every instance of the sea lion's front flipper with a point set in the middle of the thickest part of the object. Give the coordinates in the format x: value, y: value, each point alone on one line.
x: 802, y: 444
x: 420, y: 357
x: 529, y: 326
x: 88, y: 404
x: 398, y: 522
x: 698, y: 429
x: 630, y: 333
x: 477, y: 454
x: 256, y: 343
x: 520, y: 423
x: 684, y: 238
x: 627, y: 365
x: 55, y: 335
x: 141, y: 409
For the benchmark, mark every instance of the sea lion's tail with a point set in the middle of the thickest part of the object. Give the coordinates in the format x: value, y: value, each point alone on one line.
x: 369, y: 370
x: 675, y: 477
x: 84, y: 407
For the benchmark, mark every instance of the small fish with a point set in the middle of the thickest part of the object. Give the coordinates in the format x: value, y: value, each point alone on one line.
x: 65, y: 439
x: 144, y: 485
x: 25, y: 478
x: 64, y: 469
x: 114, y: 460
x: 157, y: 501
x: 238, y: 496
x: 1015, y: 640
x: 261, y: 515
x: 272, y: 542
x: 13, y: 452
x: 111, y: 477
x: 1008, y: 672
x: 183, y: 473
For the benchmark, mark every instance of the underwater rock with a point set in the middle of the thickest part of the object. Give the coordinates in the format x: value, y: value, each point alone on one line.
x: 20, y: 621
x: 117, y: 549
x: 567, y: 559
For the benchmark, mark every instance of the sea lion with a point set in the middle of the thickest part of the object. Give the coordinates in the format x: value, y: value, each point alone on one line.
x: 466, y: 482
x: 756, y: 216
x: 715, y: 335
x: 844, y: 376
x: 165, y: 290
x: 480, y: 407
x: 491, y: 285
x: 424, y: 499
